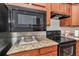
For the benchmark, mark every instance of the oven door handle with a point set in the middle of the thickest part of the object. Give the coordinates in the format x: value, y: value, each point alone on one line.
x: 67, y: 44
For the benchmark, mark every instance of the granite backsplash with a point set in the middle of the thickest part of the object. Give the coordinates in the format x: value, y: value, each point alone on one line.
x: 40, y: 33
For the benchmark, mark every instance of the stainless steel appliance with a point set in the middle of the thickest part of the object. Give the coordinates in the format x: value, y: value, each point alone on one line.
x: 66, y: 47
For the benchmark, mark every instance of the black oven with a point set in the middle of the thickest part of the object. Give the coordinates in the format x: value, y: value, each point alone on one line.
x: 26, y: 19
x: 66, y: 47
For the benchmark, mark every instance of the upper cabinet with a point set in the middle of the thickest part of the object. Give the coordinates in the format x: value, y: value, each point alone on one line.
x: 38, y: 6
x: 62, y: 8
x: 75, y: 14
x: 69, y: 9
x: 48, y: 14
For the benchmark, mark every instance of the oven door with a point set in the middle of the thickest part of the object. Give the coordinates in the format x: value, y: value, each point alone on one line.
x: 67, y: 49
x: 27, y: 21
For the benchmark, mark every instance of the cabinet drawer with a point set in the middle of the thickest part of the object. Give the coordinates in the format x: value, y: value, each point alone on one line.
x: 51, y: 54
x: 27, y: 53
x: 48, y: 49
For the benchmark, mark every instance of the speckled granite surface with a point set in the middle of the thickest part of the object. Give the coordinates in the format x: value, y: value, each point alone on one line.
x: 76, y: 38
x: 42, y: 42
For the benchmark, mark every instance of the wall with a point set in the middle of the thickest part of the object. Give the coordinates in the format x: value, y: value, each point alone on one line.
x: 55, y: 25
x: 16, y: 35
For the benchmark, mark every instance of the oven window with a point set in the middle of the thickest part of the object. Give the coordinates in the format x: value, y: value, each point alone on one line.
x: 67, y: 51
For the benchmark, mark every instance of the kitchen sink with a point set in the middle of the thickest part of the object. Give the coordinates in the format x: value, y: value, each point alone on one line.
x: 27, y: 40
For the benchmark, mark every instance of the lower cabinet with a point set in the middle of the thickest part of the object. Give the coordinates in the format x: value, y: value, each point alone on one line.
x: 47, y: 51
x: 77, y: 48
x: 54, y: 53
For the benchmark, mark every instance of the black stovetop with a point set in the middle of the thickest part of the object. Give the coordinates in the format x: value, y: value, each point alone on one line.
x: 65, y: 40
x: 56, y: 36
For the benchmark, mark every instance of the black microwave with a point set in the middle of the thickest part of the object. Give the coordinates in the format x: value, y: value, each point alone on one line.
x: 25, y: 19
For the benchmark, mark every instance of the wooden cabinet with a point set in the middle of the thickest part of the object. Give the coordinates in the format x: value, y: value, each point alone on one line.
x: 48, y: 14
x: 47, y: 51
x: 55, y: 7
x: 73, y: 20
x: 62, y: 8
x: 77, y: 48
x: 38, y: 6
x: 75, y: 15
x: 67, y: 21
x: 50, y: 54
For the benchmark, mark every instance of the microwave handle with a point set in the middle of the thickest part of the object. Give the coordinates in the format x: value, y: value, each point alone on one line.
x: 11, y: 20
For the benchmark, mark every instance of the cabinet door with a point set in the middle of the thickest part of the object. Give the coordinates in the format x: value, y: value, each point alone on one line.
x: 48, y: 50
x: 60, y: 8
x: 51, y: 54
x: 48, y: 14
x: 55, y: 7
x: 68, y: 11
x: 75, y: 15
x: 77, y: 48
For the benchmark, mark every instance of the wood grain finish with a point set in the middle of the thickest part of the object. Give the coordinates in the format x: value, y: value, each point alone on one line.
x: 48, y: 14
x: 48, y: 49
x: 60, y: 8
x: 51, y: 54
x: 75, y: 15
x: 38, y: 6
x: 73, y: 11
x: 77, y: 48
x: 63, y: 8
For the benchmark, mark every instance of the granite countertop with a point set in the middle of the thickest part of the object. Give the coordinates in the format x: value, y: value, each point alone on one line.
x: 70, y: 36
x: 43, y: 42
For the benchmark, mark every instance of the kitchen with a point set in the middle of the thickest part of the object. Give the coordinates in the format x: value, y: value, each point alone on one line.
x: 39, y: 29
